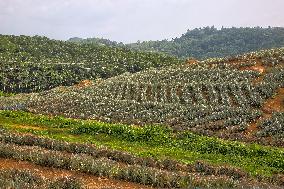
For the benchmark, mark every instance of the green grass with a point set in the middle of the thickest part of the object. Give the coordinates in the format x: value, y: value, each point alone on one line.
x: 4, y: 94
x: 152, y: 141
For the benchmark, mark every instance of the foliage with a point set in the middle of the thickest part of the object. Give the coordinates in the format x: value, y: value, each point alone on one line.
x: 37, y: 63
x: 209, y: 42
x: 203, y: 148
x: 5, y: 94
x: 273, y: 126
x: 209, y: 98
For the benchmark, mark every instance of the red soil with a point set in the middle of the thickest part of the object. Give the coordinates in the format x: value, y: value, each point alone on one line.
x: 275, y: 104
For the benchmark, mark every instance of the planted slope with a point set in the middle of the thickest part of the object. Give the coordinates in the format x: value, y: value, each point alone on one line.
x: 220, y: 98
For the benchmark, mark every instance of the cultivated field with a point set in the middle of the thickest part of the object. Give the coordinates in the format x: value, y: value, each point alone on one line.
x: 216, y: 123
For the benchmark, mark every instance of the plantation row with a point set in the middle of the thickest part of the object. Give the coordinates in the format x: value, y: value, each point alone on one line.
x: 111, y: 169
x: 163, y: 144
x: 190, y: 74
x: 88, y: 151
x: 119, y: 156
x: 26, y: 179
x: 150, y: 134
x: 230, y: 105
x: 87, y: 106
x: 31, y: 64
x: 242, y: 94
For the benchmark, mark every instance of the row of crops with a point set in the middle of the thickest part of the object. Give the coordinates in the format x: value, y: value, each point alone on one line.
x: 85, y: 159
x: 226, y: 93
x: 30, y: 64
x: 119, y: 165
x: 119, y: 156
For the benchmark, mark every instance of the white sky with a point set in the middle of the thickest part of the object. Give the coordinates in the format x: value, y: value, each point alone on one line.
x: 132, y: 20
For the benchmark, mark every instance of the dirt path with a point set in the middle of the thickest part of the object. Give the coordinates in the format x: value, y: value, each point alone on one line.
x: 89, y: 181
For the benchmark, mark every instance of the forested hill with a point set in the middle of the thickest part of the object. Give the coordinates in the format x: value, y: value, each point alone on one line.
x: 209, y: 42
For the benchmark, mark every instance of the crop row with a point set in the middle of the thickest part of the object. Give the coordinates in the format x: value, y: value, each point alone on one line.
x: 76, y: 148
x: 108, y: 168
x: 250, y: 157
x: 227, y: 93
x: 184, y: 74
x: 129, y: 111
x: 14, y: 178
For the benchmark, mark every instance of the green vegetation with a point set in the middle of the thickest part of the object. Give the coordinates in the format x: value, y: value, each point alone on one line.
x: 212, y: 97
x: 161, y: 126
x: 153, y: 141
x: 5, y: 94
x: 36, y: 63
x: 208, y: 42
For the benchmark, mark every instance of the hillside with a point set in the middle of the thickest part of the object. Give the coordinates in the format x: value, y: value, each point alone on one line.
x: 219, y: 97
x: 31, y: 64
x: 216, y: 123
x: 208, y: 42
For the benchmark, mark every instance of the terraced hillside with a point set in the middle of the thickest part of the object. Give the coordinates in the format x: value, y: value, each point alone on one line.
x: 163, y: 128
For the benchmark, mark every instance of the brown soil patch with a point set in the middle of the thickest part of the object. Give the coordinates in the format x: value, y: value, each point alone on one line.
x: 89, y: 181
x: 252, y: 128
x: 276, y: 103
x: 84, y: 83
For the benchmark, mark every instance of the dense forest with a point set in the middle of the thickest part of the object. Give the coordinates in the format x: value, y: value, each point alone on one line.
x: 208, y: 42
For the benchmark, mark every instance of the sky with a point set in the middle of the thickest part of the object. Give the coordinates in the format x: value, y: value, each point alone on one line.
x: 131, y: 20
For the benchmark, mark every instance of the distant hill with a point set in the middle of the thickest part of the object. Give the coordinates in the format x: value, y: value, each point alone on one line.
x: 29, y: 64
x: 208, y: 42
